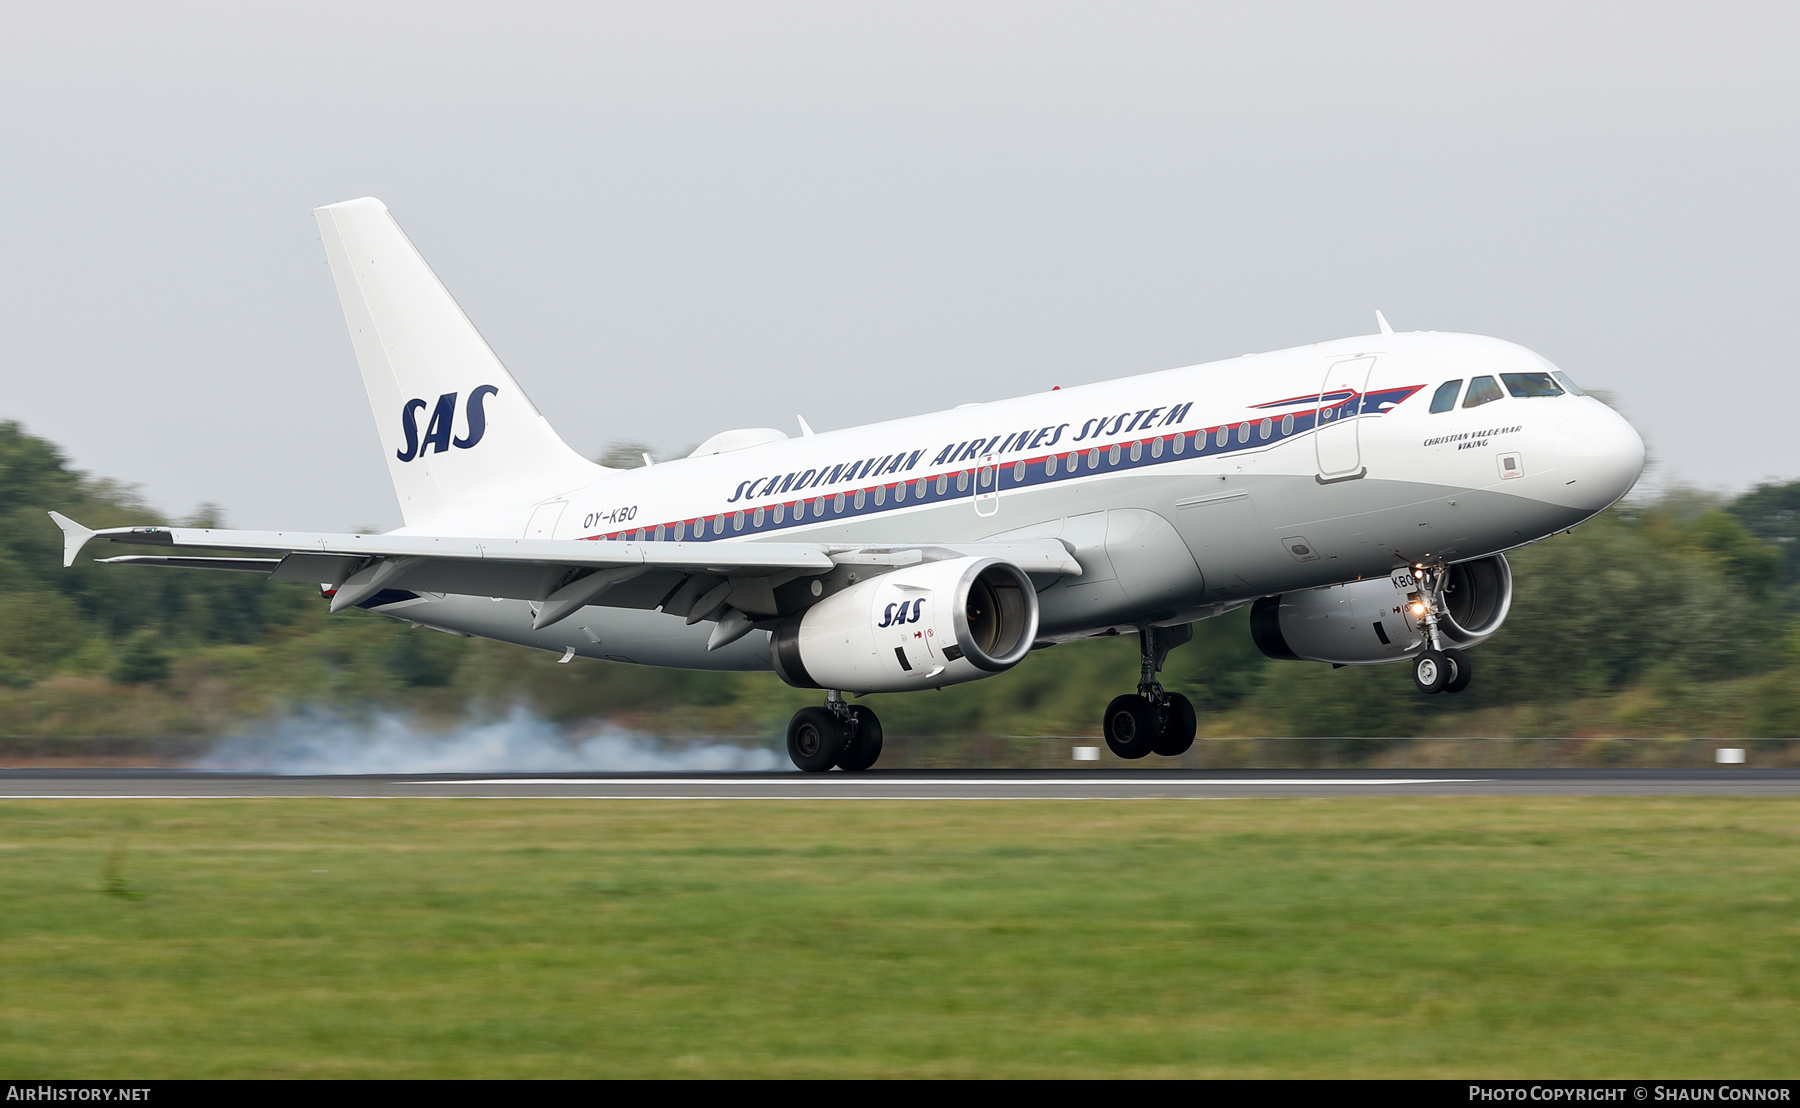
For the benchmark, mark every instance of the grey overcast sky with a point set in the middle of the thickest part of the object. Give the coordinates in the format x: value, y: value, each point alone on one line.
x: 670, y: 219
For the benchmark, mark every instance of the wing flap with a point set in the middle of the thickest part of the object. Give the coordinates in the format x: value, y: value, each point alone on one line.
x: 245, y: 565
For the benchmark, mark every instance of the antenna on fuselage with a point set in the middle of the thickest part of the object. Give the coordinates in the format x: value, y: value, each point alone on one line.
x: 1381, y: 320
x: 805, y: 430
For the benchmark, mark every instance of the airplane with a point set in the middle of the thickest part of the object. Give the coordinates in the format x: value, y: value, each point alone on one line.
x: 1358, y: 494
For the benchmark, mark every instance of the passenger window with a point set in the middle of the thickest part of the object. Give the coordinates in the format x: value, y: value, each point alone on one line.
x: 1267, y: 426
x: 1287, y: 424
x: 1483, y: 390
x: 1531, y: 384
x: 1569, y: 383
x: 1445, y: 397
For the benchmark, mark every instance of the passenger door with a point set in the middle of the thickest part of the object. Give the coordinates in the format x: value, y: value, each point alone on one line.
x: 1335, y: 434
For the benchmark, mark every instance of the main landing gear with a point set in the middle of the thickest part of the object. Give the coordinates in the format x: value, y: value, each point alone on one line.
x: 847, y: 736
x: 1152, y: 720
x: 1437, y: 668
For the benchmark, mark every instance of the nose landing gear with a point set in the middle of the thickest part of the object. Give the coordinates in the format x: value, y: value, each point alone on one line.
x: 847, y: 736
x: 1152, y: 720
x: 1437, y: 668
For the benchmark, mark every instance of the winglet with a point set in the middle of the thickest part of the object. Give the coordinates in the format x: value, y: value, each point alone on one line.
x: 75, y: 536
x: 1382, y: 320
x: 806, y: 430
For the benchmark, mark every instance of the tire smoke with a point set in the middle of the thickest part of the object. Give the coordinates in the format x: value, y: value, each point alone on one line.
x: 521, y: 742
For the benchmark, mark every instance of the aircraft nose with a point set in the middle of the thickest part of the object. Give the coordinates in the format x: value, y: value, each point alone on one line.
x: 1602, y: 455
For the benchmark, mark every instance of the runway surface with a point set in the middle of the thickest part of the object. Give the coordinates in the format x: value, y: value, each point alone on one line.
x: 1096, y: 784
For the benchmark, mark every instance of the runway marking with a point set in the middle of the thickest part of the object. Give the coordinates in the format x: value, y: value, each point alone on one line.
x: 589, y: 797
x: 875, y: 783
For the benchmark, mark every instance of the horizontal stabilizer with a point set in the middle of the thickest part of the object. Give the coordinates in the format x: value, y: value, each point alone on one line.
x: 75, y: 536
x: 716, y: 557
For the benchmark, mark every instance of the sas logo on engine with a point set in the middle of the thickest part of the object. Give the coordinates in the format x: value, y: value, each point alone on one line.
x: 903, y: 612
x: 439, y: 430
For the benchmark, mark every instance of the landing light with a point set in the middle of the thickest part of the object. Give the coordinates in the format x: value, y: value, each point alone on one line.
x: 1418, y: 609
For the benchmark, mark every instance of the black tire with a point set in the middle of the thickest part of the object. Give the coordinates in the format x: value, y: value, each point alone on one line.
x: 815, y: 739
x: 1131, y: 726
x: 1461, y: 672
x: 864, y: 746
x: 1431, y: 671
x: 1178, y: 726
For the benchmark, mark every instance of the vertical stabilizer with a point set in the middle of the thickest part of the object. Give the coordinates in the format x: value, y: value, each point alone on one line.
x: 455, y: 427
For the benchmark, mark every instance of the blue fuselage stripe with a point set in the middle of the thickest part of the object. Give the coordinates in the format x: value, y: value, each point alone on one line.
x: 955, y: 484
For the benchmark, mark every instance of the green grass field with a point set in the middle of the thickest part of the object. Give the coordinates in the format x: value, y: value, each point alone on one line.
x: 1350, y: 937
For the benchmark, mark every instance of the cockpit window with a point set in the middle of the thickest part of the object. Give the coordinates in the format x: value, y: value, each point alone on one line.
x: 1445, y: 397
x: 1482, y: 390
x: 1531, y: 384
x: 1569, y: 383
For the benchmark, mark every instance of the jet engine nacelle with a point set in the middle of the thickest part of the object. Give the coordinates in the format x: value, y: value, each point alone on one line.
x: 921, y: 627
x: 1365, y: 622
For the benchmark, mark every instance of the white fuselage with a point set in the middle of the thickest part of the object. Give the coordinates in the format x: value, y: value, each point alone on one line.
x: 1182, y: 493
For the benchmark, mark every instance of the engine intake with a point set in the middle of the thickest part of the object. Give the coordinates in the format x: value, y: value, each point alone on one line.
x: 924, y: 626
x: 1477, y: 597
x: 1367, y: 622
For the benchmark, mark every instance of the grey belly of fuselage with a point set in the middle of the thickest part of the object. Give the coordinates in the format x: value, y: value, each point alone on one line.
x: 1160, y: 549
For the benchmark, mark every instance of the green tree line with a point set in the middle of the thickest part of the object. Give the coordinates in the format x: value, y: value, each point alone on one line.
x: 1675, y: 617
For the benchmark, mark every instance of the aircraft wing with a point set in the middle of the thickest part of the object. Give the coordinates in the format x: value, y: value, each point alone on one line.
x: 699, y: 580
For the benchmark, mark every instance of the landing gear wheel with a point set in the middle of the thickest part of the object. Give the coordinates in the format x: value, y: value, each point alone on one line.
x: 815, y: 739
x: 1431, y: 672
x: 1460, y: 671
x: 865, y: 741
x: 1178, y: 726
x: 1131, y: 726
